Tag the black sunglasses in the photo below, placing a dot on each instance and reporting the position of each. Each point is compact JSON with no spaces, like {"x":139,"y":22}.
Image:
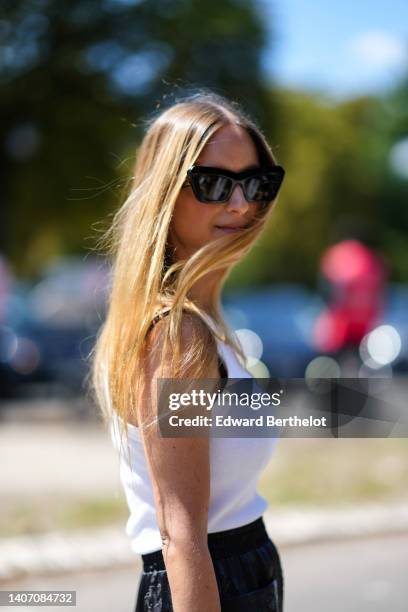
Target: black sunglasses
{"x":215,"y":185}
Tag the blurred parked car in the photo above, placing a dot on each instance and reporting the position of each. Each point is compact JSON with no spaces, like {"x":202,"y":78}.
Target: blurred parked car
{"x":282,"y":317}
{"x":50,"y":328}
{"x":396,"y":315}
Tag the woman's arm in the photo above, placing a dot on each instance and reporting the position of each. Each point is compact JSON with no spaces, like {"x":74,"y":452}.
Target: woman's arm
{"x":180,"y":473}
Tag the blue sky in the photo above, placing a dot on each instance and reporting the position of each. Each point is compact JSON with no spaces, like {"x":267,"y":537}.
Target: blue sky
{"x":340,"y":49}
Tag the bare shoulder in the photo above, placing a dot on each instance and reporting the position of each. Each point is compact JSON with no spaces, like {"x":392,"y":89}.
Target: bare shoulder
{"x":193,"y":333}
{"x":158,"y":363}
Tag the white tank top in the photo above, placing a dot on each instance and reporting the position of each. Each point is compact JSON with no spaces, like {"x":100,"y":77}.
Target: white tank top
{"x":235,"y":467}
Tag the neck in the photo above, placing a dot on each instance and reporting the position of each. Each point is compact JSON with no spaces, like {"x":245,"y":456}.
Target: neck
{"x":203,"y":290}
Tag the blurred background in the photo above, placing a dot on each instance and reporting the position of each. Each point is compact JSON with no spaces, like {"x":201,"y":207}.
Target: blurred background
{"x":324,"y":292}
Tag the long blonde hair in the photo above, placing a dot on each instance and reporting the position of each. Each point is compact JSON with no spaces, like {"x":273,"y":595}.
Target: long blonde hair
{"x":144,"y":279}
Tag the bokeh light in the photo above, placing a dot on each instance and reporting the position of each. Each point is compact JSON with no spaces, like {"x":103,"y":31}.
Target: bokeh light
{"x":380,"y":347}
{"x":251,"y":344}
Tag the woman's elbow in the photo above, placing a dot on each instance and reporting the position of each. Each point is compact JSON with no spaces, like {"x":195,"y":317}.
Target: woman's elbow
{"x":184,"y":539}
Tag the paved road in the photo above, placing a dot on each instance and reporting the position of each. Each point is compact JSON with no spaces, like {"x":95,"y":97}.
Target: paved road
{"x":71,"y":458}
{"x":365,"y":575}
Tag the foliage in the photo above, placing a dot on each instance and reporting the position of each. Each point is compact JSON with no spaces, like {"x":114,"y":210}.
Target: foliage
{"x":339,"y":183}
{"x":78,"y":77}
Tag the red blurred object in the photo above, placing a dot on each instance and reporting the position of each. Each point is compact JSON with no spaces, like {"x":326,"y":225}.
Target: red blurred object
{"x":356,"y":276}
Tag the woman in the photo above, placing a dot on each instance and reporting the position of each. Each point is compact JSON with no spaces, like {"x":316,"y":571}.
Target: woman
{"x":195,"y":513}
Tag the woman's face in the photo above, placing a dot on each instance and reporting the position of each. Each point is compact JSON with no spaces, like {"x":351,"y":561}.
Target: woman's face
{"x":194,"y":223}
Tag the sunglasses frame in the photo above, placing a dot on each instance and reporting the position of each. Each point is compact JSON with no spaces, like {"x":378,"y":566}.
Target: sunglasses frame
{"x":237,"y":178}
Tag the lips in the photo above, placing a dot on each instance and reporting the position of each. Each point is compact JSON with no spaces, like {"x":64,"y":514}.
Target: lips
{"x":231,"y":227}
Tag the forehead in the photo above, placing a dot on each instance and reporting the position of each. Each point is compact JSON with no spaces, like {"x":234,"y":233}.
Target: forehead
{"x":231,"y":148}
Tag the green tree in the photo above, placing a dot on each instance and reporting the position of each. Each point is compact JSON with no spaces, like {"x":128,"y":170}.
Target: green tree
{"x":393,"y":194}
{"x":338,"y":173}
{"x":77,"y":78}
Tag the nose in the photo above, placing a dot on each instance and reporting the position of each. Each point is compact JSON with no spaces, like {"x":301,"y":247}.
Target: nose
{"x":237,"y":200}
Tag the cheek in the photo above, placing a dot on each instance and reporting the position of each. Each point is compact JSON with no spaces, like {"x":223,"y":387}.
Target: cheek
{"x":193,"y":221}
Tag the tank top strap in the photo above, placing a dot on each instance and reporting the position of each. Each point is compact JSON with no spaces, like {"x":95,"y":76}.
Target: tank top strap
{"x":223,"y":372}
{"x":158,"y":317}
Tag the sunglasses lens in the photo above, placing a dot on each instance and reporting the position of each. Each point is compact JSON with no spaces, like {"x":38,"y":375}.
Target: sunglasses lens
{"x":211,"y":187}
{"x":262,"y":187}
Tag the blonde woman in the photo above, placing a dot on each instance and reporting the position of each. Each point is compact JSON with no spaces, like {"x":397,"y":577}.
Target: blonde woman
{"x":204,"y":185}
